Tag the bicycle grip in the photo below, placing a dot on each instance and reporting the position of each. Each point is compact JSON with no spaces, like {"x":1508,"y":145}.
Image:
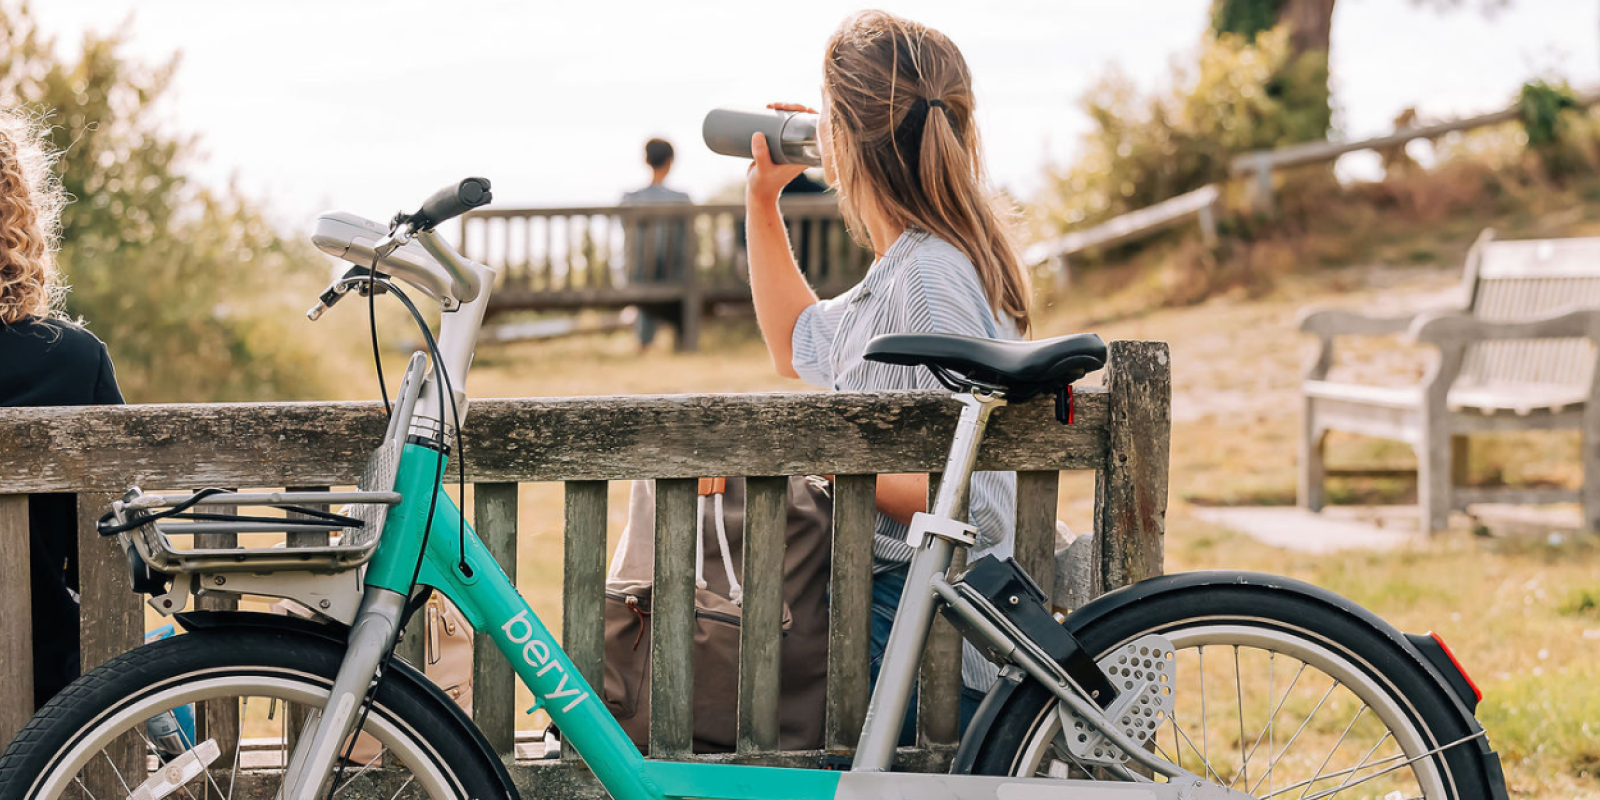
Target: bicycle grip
{"x":451,"y":202}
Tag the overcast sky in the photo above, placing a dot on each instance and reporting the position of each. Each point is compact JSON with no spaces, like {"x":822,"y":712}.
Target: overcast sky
{"x":369,"y":105}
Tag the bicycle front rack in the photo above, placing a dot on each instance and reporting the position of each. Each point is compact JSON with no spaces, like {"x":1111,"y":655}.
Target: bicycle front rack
{"x":313,"y":539}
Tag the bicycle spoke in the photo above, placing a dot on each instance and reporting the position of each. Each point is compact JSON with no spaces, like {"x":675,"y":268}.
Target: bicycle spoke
{"x":1298,"y":731}
{"x":1343,"y":772}
{"x":1359,"y":765}
{"x":1238,"y":688}
{"x":1315,"y":776}
{"x":1271,"y":717}
{"x":190,"y":744}
{"x":84,"y":787}
{"x":364,"y":768}
{"x":1406,"y":763}
{"x":403,"y":787}
{"x":1205,"y":730}
{"x":1203,"y":760}
{"x":117,"y":772}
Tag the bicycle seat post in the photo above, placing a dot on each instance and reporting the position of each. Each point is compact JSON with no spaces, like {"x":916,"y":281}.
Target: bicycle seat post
{"x":934,"y":536}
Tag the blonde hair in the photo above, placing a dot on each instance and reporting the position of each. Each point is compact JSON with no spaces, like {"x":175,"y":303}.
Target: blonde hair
{"x":30,"y":220}
{"x":901,"y":107}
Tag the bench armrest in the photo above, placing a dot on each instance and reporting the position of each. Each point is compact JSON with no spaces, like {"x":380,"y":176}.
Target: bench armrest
{"x":1327,"y":323}
{"x":1444,"y":329}
{"x":1330,"y":322}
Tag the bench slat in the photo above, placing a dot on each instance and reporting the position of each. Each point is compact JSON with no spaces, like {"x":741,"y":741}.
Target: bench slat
{"x":939,"y":676}
{"x":761,"y":627}
{"x":113,"y":624}
{"x":494,"y":517}
{"x":1035,"y":546}
{"x":849,"y":606}
{"x":606,"y":438}
{"x":16,"y":625}
{"x":672,"y":621}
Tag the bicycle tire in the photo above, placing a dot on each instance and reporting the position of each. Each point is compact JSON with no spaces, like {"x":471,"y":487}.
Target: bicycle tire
{"x":89,"y":708}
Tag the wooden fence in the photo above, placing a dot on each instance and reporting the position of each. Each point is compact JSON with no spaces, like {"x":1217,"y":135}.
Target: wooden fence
{"x":669,"y":259}
{"x":1204,"y":205}
{"x":1120,"y":433}
{"x":1262,"y":163}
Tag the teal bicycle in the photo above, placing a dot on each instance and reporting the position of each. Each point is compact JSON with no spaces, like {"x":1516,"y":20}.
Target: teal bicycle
{"x":1309,"y":695}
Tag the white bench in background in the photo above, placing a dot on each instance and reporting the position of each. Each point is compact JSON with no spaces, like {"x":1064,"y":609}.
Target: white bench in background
{"x":1520,"y":354}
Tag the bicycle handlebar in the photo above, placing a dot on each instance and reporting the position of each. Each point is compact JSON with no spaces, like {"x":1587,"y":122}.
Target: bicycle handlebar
{"x":451,"y":202}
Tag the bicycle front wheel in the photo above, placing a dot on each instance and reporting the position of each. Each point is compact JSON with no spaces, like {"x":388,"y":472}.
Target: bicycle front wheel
{"x":1275,"y":695}
{"x":214,"y":713}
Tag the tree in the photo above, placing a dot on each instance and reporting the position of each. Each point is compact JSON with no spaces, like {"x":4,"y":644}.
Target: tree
{"x":186,"y":285}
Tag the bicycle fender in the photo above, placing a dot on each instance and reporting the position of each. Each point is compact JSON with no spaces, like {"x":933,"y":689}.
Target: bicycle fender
{"x":399,"y":669}
{"x":1085,"y":617}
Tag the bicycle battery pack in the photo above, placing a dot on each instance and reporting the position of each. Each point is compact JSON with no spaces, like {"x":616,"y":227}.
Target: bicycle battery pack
{"x":1013,"y":596}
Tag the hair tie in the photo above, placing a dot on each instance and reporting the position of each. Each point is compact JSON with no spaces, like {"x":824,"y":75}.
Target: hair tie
{"x":938,"y":104}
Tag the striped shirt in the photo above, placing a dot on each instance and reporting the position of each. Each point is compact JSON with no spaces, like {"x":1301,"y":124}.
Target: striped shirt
{"x":922,"y":284}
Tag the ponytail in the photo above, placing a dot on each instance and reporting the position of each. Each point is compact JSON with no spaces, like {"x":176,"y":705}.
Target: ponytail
{"x":901,"y":106}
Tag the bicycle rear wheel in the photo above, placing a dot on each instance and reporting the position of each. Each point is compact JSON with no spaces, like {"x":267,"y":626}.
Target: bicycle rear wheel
{"x":1275,"y":695}
{"x":250,"y":690}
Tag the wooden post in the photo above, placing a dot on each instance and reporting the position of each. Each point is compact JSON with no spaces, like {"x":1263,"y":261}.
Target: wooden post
{"x":1035,"y":545}
{"x":583,"y":614}
{"x":939,"y":677}
{"x":16,"y":625}
{"x":113,"y":623}
{"x":494,"y":684}
{"x":672,"y":621}
{"x":1131,"y":489}
{"x":849,"y":606}
{"x":219,"y":718}
{"x":1261,"y":200}
{"x":761,"y":628}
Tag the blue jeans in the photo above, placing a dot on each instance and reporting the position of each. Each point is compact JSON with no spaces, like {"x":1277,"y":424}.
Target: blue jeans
{"x":887,"y":587}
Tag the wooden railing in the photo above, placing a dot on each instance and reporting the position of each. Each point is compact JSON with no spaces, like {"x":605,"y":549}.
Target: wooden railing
{"x":1120,"y":432}
{"x":1262,"y":163}
{"x":1203,"y":204}
{"x":668,"y":258}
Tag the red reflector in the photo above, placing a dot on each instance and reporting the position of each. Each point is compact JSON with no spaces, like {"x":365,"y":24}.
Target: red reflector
{"x":1476,"y":692}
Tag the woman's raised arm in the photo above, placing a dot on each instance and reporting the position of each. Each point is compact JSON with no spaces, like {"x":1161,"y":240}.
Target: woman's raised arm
{"x":780,"y":291}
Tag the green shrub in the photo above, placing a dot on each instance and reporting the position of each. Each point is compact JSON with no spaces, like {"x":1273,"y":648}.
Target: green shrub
{"x":191,"y":289}
{"x":1243,"y":95}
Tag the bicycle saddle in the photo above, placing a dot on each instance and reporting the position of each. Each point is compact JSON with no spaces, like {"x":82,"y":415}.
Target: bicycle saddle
{"x":1021,"y":369}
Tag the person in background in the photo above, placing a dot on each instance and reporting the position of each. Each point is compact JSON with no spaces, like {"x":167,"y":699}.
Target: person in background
{"x":899,"y":143}
{"x":657,"y":249}
{"x":44,"y":361}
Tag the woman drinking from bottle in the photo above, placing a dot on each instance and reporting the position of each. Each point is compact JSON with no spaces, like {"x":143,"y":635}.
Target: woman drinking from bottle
{"x":900,"y":146}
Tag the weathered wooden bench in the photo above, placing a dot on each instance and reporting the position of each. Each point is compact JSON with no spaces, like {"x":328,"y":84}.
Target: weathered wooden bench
{"x":1519,"y":354}
{"x":1120,"y":433}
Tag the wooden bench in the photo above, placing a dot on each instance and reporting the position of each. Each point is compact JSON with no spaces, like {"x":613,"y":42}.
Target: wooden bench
{"x":1519,"y":354}
{"x":1120,"y":433}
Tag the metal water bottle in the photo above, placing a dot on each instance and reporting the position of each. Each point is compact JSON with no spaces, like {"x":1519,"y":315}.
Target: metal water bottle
{"x":791,"y":135}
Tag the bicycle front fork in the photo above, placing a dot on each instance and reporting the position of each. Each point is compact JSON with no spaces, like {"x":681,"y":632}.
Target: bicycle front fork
{"x":321,"y":742}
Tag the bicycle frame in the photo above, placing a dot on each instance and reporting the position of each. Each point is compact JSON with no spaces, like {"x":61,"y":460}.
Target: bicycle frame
{"x":492,"y":605}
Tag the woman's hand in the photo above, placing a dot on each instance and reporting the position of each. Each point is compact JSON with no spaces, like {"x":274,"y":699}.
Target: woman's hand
{"x":765,"y":180}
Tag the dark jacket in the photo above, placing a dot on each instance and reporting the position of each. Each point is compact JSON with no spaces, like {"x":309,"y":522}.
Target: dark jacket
{"x":54,"y":363}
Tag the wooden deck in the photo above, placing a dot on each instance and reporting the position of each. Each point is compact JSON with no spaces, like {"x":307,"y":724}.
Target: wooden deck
{"x":673,"y":261}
